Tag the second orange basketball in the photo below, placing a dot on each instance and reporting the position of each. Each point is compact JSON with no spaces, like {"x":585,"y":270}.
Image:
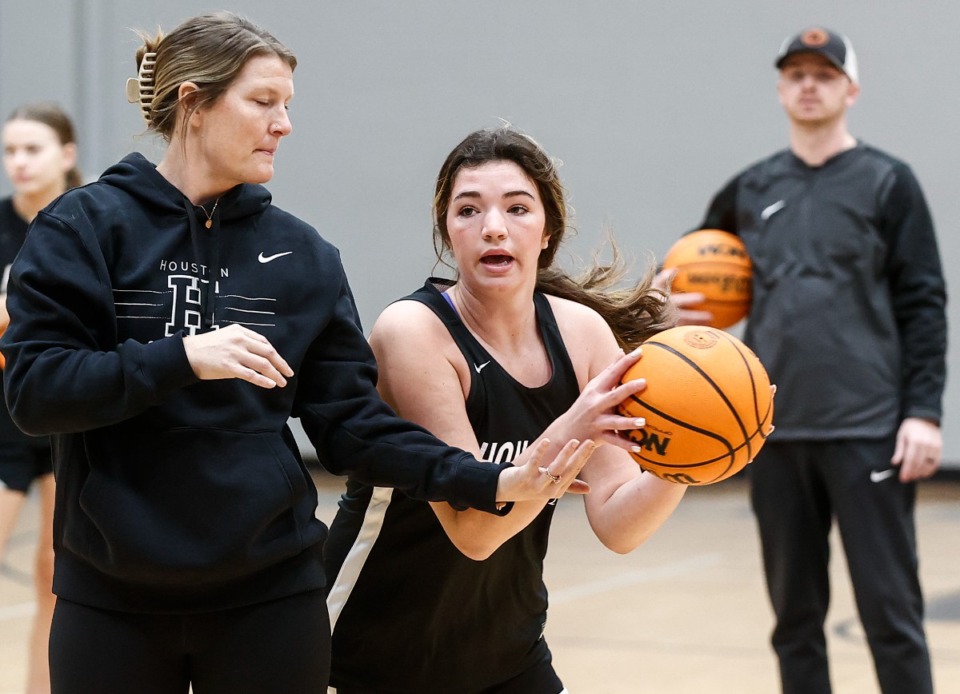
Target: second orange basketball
{"x":714,"y":263}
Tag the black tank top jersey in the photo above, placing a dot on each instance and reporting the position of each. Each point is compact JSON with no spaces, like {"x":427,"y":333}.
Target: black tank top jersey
{"x":409,"y":612}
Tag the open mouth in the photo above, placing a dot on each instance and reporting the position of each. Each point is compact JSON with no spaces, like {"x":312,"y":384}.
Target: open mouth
{"x":496,"y":260}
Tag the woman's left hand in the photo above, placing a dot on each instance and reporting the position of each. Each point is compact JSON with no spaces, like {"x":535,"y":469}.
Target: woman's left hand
{"x":538,"y":480}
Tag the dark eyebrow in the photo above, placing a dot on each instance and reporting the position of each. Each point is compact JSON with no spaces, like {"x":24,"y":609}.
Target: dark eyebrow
{"x":511,"y":193}
{"x":508,"y":194}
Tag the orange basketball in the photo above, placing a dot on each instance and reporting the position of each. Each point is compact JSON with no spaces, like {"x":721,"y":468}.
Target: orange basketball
{"x":708,"y":405}
{"x":714,"y":263}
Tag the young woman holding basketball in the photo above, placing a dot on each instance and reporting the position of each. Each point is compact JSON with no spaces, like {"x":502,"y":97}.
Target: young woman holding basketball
{"x":39,"y":157}
{"x":489,"y":362}
{"x":165,"y":360}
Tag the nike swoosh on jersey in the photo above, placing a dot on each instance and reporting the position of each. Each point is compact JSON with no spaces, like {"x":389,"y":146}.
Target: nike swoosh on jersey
{"x":881,"y":475}
{"x":771,"y":210}
{"x":267,"y":258}
{"x":479,"y":367}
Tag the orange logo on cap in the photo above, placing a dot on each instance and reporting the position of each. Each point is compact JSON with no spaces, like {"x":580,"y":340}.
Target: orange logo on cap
{"x":815,"y":38}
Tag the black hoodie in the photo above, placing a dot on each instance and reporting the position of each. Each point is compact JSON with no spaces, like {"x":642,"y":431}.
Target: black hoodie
{"x":175,"y":494}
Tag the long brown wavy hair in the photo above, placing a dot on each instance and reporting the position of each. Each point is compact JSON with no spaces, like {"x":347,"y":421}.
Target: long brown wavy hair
{"x":634,"y":311}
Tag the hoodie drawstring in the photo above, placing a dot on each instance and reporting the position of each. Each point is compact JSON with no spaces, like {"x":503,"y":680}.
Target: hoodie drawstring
{"x":206,"y":242}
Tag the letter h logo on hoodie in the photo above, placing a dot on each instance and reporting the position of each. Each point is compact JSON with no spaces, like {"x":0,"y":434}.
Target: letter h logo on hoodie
{"x":187,"y":311}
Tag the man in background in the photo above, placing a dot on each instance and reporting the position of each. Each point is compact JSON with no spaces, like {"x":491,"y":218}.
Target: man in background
{"x":848,"y":317}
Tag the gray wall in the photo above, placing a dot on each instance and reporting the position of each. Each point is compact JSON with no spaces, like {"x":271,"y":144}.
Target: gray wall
{"x":651,"y":106}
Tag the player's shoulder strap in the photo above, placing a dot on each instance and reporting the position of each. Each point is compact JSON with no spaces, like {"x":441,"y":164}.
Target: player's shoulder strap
{"x":432,"y":295}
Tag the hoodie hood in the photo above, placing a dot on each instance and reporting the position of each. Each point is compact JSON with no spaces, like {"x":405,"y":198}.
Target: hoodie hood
{"x":139,"y":178}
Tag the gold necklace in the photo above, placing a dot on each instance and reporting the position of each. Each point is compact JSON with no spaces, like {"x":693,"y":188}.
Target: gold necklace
{"x":209,"y":222}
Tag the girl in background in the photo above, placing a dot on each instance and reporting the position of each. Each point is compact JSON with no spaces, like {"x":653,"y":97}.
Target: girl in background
{"x":39,"y":158}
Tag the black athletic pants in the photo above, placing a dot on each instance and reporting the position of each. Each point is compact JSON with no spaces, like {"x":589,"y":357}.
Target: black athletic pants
{"x":280,"y":646}
{"x":797,"y":488}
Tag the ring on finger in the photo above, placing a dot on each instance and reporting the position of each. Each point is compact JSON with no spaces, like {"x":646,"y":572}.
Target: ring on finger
{"x":555,"y":479}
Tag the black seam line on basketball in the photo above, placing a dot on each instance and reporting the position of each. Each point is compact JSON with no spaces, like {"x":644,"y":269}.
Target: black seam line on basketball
{"x":694,"y":466}
{"x":756,"y":396}
{"x":675,"y":420}
{"x":730,"y":457}
{"x":713,"y":384}
{"x":731,"y":450}
{"x":753,"y":382}
{"x":691,"y":466}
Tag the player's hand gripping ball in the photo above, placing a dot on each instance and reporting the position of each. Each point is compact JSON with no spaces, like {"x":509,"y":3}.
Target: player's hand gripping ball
{"x":708,"y":405}
{"x":714,"y":263}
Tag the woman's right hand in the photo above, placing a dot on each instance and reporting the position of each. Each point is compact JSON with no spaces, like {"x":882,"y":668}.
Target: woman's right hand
{"x":236,"y":352}
{"x":594,"y":414}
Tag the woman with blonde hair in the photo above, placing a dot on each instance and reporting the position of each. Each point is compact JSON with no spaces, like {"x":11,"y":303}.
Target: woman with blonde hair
{"x":40,"y":159}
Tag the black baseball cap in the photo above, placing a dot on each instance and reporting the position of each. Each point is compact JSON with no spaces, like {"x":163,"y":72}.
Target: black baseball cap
{"x":833,"y":46}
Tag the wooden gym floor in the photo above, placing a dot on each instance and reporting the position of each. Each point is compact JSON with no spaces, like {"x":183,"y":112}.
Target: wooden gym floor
{"x":686,"y":613}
